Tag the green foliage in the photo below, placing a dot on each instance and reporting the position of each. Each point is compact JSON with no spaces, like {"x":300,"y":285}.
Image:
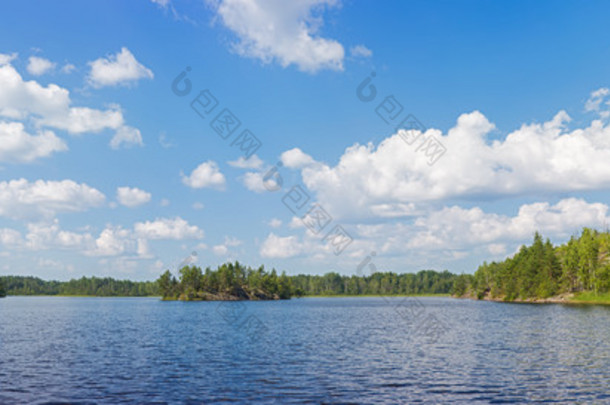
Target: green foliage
{"x":94,"y":286}
{"x":541,"y":270}
{"x":228,"y":281}
{"x":2,"y":290}
{"x":235,"y":280}
{"x":387,"y":283}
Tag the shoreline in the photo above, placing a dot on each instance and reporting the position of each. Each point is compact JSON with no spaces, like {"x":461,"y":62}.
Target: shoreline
{"x":564,"y":299}
{"x":211,"y":300}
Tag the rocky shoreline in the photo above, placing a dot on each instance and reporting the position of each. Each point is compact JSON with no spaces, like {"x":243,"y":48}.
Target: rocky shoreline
{"x":239,"y":295}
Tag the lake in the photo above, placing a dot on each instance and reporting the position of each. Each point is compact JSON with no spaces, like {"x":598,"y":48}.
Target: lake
{"x":309,"y":350}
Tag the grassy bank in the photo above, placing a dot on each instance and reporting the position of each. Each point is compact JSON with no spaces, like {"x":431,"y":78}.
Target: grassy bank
{"x":592,"y":298}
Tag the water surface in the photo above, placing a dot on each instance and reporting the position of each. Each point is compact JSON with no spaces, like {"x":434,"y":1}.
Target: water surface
{"x":313,"y":350}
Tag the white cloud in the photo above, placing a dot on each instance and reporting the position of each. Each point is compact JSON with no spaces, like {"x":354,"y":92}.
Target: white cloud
{"x":126,"y":136}
{"x":360,"y":51}
{"x":205,"y":175}
{"x":119,"y":69}
{"x":220,"y":250}
{"x":598,"y":102}
{"x":16,"y":145}
{"x":296,"y":159}
{"x":38,"y":66}
{"x":161,"y":3}
{"x":42,"y":236}
{"x":165,"y":202}
{"x":282,"y":31}
{"x":535,"y":158}
{"x":253,"y":162}
{"x":275,"y":223}
{"x":113,"y":241}
{"x":198,"y":206}
{"x":457,"y":228}
{"x":24,"y":199}
{"x":78,"y":120}
{"x":6,"y":58}
{"x":164,"y":141}
{"x":165,"y":228}
{"x":50,"y":106}
{"x":10,"y":237}
{"x":254,"y":182}
{"x":280,"y":247}
{"x":132,"y":197}
{"x":223,"y":249}
{"x":68,"y":68}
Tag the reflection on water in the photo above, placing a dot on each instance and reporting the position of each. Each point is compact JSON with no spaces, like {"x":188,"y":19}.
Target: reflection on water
{"x":314,"y":350}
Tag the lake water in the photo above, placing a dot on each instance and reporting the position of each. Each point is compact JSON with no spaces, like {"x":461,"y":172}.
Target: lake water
{"x":312,"y":350}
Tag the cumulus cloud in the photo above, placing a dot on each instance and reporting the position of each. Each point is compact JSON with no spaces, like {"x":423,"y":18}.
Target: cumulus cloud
{"x":51,"y":106}
{"x":167,"y":228}
{"x":206,"y":175}
{"x":223,"y":249}
{"x":68,"y":68}
{"x":540,"y":157}
{"x":360,"y":51}
{"x":254,"y":182}
{"x":6,"y":58}
{"x":275,"y":223}
{"x":220,"y":250}
{"x":119,"y":69}
{"x":459,"y":227}
{"x":132,"y":197}
{"x":113,"y":241}
{"x":38,"y":66}
{"x":279,"y":247}
{"x":296,"y":159}
{"x":10,"y":237}
{"x":281,"y":31}
{"x":253,"y":162}
{"x":42,"y":236}
{"x":16,"y":145}
{"x":126,"y":137}
{"x":598,"y":102}
{"x":23,"y":199}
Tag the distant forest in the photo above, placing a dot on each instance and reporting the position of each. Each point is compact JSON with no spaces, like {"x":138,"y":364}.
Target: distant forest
{"x":543,"y":270}
{"x":93,"y":286}
{"x":237,"y":281}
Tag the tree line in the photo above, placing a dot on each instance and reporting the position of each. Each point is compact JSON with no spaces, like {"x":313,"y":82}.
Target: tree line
{"x":543,"y":270}
{"x":228,"y":281}
{"x":381,"y":283}
{"x":89,"y":286}
{"x":234,"y":280}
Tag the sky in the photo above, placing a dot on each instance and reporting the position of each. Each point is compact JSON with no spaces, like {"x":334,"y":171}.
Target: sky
{"x":306,"y":135}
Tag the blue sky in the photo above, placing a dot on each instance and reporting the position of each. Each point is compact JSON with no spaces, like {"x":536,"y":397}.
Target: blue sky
{"x":105,"y":171}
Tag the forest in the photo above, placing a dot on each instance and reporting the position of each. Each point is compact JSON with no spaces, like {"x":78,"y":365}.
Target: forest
{"x":384,"y":283}
{"x":230,"y":281}
{"x":2,"y":290}
{"x":93,"y":286}
{"x":234,"y":281}
{"x":582,"y":265}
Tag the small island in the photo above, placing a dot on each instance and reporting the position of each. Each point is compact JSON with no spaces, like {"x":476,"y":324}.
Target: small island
{"x":229,"y":282}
